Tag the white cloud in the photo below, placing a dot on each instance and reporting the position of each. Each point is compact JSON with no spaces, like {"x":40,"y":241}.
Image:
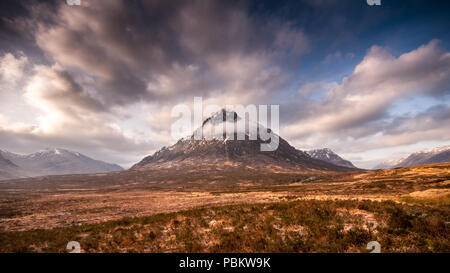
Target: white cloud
{"x":12,"y":68}
{"x":374,"y":85}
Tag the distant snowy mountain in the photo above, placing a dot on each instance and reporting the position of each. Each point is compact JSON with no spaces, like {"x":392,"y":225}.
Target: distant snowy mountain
{"x":436,"y":155}
{"x":429,"y":156}
{"x":388,"y":164}
{"x":53,"y":161}
{"x":330,"y":157}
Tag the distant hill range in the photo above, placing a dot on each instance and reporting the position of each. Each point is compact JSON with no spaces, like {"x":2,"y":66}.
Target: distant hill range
{"x":216,"y":153}
{"x":9,"y":170}
{"x":430,"y":156}
{"x":330,"y":157}
{"x":50,"y":162}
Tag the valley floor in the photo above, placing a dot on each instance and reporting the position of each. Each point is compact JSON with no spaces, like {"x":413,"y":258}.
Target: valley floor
{"x":405,"y":210}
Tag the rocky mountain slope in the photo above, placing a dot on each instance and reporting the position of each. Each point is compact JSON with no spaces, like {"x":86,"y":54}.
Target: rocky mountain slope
{"x":216,"y":152}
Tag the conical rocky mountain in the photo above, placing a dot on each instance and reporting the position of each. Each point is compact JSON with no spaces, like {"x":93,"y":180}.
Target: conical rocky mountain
{"x":216,"y":152}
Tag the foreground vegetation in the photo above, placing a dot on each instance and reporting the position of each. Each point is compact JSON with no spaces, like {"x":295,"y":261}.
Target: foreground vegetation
{"x":286,"y":226}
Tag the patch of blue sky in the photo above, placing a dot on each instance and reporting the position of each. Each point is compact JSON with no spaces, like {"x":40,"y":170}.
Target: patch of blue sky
{"x":414,"y":105}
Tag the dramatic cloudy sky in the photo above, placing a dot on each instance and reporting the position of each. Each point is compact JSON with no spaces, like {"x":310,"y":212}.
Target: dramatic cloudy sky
{"x":370,"y":82}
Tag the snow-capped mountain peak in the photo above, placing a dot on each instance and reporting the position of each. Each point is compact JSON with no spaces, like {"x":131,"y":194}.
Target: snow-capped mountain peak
{"x":215,"y":151}
{"x":216,"y":126}
{"x":329,"y":156}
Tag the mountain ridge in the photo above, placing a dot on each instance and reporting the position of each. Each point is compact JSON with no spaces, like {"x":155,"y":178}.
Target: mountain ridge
{"x":8,"y":170}
{"x":52,"y":161}
{"x":426,"y":156}
{"x":328,"y":155}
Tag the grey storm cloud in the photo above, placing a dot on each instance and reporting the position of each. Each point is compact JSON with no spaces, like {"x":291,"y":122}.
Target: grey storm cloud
{"x":90,"y":66}
{"x":53,"y":89}
{"x":131,"y":47}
